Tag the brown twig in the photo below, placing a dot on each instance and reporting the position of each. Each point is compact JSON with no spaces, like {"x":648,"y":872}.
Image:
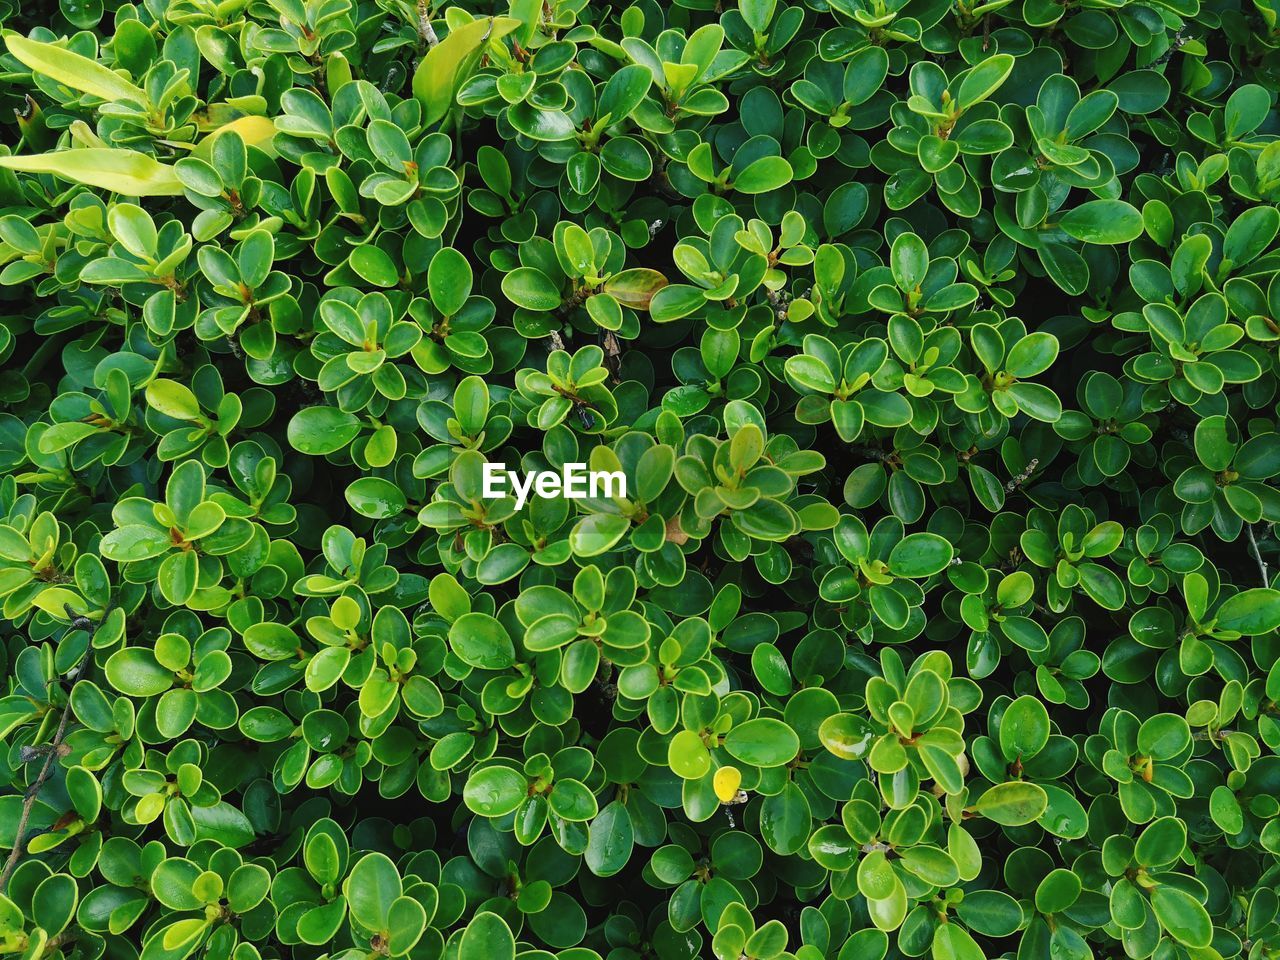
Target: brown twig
{"x":1017,"y":482}
{"x":19,"y":837}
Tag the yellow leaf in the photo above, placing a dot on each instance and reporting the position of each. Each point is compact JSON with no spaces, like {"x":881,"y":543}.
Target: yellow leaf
{"x":217,"y":115}
{"x":254,"y":131}
{"x":74,"y":71}
{"x":726,"y":782}
{"x":120,"y":171}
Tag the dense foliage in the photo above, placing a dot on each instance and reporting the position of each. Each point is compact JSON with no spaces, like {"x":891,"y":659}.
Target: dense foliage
{"x":936,"y":339}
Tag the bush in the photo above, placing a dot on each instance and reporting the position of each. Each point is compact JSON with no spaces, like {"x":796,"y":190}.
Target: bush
{"x":935,"y":342}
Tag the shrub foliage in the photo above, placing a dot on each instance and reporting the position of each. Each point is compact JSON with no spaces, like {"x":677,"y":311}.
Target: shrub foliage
{"x":937,"y":343}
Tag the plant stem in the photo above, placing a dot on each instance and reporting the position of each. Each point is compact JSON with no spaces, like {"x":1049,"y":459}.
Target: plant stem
{"x":54,"y":749}
{"x":1257,"y":555}
{"x":424,"y":25}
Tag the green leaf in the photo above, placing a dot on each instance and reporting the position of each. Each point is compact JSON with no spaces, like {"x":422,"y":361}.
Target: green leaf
{"x":920,"y":555}
{"x":173,"y":399}
{"x":222,"y":823}
{"x":597,"y":533}
{"x":763,"y":175}
{"x":1182,"y":916}
{"x":1161,"y":842}
{"x":375,"y":497}
{"x":909,"y":258}
{"x":1102,"y":222}
{"x":371,"y":888}
{"x":953,"y":942}
{"x":1032,"y":355}
{"x":1164,"y":736}
{"x":530,"y":288}
{"x":322,"y":430}
{"x":985,"y":79}
{"x":1250,"y":612}
{"x":1024,"y":729}
{"x":449,"y":279}
{"x":1012,"y":804}
{"x":810,"y":373}
{"x":136,"y":672}
{"x":763,"y":742}
{"x":610,"y":841}
{"x":495,"y":791}
{"x":487,"y":937}
{"x":481,"y":641}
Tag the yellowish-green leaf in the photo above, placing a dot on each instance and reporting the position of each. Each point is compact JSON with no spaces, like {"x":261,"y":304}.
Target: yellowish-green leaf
{"x":449,"y":63}
{"x":83,"y":135}
{"x":72,"y":70}
{"x":635,"y":288}
{"x":55,"y":601}
{"x":121,"y":171}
